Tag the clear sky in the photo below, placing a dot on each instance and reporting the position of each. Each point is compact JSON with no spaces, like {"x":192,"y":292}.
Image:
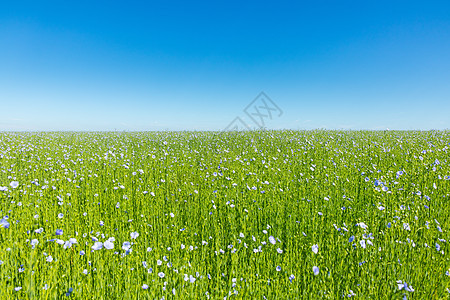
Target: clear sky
{"x":196,"y":65}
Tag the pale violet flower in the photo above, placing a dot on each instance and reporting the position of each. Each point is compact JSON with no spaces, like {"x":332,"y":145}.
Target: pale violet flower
{"x":362,"y":225}
{"x":134,"y":235}
{"x":14,"y":184}
{"x":315,"y":248}
{"x":34,"y":242}
{"x":316,"y":270}
{"x":126,"y":246}
{"x":272,"y":240}
{"x":69,"y":243}
{"x":406,"y":226}
{"x":4,"y":223}
{"x":363,"y":243}
{"x":97,"y":246}
{"x":108,"y":245}
{"x":403,"y":285}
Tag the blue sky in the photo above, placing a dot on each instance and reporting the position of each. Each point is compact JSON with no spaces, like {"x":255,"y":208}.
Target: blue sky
{"x":191,"y":65}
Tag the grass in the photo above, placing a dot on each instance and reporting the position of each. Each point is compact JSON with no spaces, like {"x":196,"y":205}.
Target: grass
{"x":204,"y":204}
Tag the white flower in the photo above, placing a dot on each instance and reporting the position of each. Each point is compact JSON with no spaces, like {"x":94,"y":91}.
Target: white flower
{"x":14,"y":184}
{"x":315,"y":248}
{"x":134,"y":235}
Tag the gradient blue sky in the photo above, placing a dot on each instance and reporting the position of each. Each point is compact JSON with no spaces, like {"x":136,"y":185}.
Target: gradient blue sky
{"x":191,"y":65}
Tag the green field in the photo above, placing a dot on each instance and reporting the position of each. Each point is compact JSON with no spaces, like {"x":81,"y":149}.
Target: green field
{"x":211,"y":215}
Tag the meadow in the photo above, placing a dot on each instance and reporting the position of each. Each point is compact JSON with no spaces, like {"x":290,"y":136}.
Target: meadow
{"x":225,"y":215}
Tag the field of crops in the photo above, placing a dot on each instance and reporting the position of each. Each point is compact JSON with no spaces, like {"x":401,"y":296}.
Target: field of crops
{"x":210,"y":215}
